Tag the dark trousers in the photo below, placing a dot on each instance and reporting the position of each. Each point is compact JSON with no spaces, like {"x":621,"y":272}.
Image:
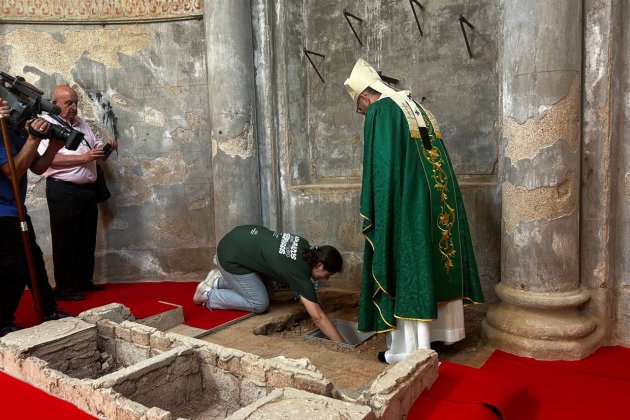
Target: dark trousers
{"x":14,"y":275}
{"x":73,"y":218}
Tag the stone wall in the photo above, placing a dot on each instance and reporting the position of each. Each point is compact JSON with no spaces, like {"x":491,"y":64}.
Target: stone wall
{"x":146,"y":85}
{"x":318,"y":136}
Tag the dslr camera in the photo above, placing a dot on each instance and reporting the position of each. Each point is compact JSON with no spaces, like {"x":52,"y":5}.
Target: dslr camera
{"x":26,"y":103}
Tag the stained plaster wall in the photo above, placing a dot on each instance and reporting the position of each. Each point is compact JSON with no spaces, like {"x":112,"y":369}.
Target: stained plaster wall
{"x":146,"y":84}
{"x":319,"y":135}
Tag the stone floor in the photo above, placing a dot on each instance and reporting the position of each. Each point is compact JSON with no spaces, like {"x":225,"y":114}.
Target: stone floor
{"x":281,"y":331}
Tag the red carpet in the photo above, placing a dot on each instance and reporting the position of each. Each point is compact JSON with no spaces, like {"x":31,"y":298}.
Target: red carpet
{"x":25,"y":402}
{"x":512,"y":387}
{"x":143,"y":300}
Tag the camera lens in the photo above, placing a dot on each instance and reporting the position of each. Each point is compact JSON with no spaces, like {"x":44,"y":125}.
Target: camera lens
{"x":72,"y":138}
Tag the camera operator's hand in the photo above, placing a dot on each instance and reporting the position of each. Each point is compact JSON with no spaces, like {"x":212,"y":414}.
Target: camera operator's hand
{"x":38,"y":124}
{"x":113,"y":142}
{"x":41,"y":125}
{"x":5,"y":111}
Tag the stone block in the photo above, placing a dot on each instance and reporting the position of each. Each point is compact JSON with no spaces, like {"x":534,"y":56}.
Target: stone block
{"x":394,"y":391}
{"x":251,"y":391}
{"x":49,"y":337}
{"x":279,"y":379}
{"x":106,"y":328}
{"x":127,"y":409}
{"x":109,"y":406}
{"x":252,"y":368}
{"x":165,"y":320}
{"x":10,"y":362}
{"x":208,"y":355}
{"x":313,"y":385}
{"x":141,"y":335}
{"x":33,"y":371}
{"x":230,"y":362}
{"x":295,"y":404}
{"x":113,"y":311}
{"x":160,"y":341}
{"x":75,"y":391}
{"x":156,"y":413}
{"x":123,"y":332}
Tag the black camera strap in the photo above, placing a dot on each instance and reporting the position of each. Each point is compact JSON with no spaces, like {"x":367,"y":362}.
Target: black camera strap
{"x":60,"y":120}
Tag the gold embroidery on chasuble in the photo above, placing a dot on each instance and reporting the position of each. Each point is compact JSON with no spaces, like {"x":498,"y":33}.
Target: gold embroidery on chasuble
{"x":447,"y":217}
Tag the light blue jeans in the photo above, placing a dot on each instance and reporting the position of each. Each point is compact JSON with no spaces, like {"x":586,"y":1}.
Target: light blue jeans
{"x":242,"y":292}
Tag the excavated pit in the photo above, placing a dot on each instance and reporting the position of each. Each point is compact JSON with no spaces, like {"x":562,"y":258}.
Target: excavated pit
{"x":349,"y":331}
{"x":283,"y":332}
{"x":178,"y":382}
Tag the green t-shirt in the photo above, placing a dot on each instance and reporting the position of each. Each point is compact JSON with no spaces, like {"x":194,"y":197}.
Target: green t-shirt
{"x":256,"y":249}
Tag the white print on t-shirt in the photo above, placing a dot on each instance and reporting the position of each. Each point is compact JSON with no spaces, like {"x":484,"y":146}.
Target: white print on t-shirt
{"x":289,"y":245}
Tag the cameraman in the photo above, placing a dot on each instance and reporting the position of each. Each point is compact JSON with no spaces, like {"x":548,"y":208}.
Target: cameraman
{"x":13,"y":263}
{"x":71,"y":195}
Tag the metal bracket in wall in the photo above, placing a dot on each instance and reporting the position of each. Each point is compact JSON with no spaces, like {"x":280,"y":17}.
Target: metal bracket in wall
{"x":415,"y":14}
{"x":349,"y":15}
{"x":463,"y":20}
{"x":308,"y":53}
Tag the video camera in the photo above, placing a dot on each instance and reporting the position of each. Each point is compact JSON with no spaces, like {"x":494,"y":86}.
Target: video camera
{"x":26,"y":103}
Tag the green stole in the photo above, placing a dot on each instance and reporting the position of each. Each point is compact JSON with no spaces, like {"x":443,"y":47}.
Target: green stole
{"x":418,"y":250}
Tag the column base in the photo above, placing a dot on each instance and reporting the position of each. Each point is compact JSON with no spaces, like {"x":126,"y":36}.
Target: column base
{"x":545,"y":326}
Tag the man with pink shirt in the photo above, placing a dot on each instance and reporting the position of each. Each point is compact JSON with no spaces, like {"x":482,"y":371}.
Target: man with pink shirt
{"x":71,"y":195}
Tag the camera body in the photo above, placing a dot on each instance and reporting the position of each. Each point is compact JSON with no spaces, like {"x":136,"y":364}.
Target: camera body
{"x":26,"y":103}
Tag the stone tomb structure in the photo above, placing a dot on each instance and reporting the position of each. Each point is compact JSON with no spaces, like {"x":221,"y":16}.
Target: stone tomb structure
{"x":113,"y":367}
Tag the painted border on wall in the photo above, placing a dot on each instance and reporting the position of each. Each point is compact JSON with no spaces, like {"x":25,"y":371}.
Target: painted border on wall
{"x":99,"y":11}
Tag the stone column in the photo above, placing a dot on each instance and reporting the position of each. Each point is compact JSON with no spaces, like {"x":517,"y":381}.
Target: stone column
{"x":266,"y":107}
{"x":540,"y":313}
{"x":232,"y":91}
{"x":601,"y":157}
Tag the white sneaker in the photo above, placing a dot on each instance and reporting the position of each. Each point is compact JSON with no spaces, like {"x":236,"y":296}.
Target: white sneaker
{"x":210,"y":282}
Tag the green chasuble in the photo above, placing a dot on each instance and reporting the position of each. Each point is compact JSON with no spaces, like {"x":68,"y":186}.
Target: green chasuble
{"x":418,"y":251}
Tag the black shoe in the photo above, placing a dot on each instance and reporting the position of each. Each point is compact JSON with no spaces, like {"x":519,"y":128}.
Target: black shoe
{"x":9,"y":329}
{"x":381,"y":357}
{"x":91,"y":287}
{"x":56,"y":315}
{"x":69,"y":295}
